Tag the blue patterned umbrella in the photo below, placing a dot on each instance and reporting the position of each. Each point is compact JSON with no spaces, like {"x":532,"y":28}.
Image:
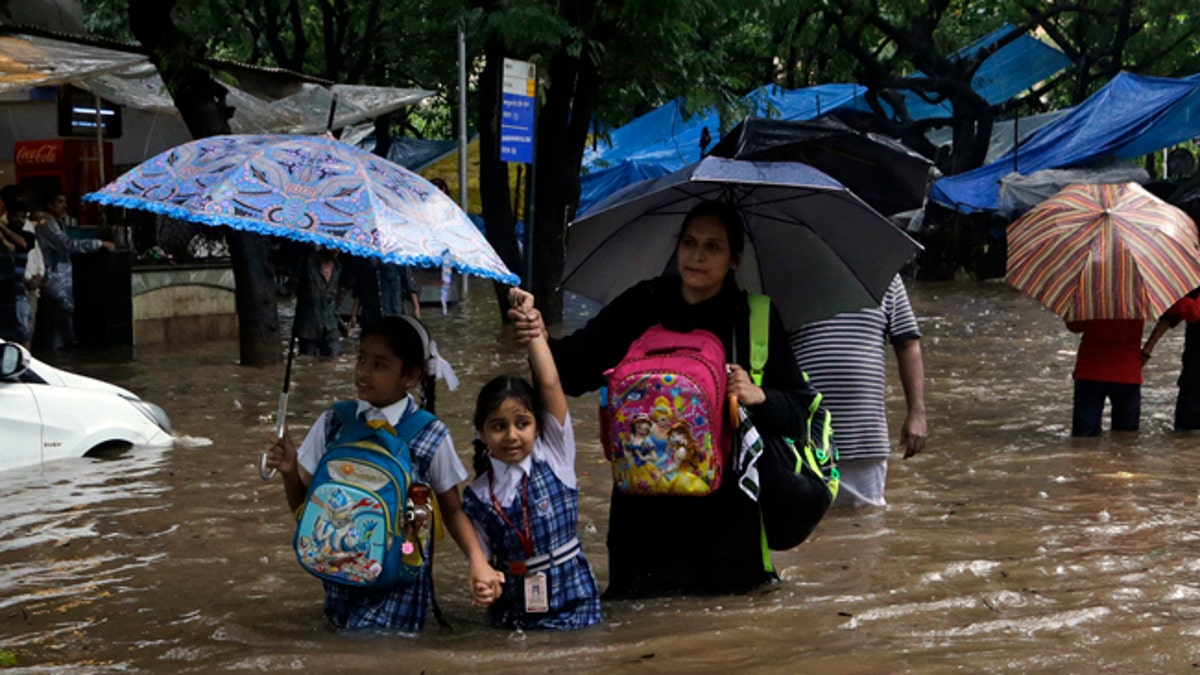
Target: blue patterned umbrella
{"x":313,"y":189}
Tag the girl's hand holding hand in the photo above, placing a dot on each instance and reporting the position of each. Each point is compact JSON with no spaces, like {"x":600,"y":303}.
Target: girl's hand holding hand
{"x":485,"y":585}
{"x":526,"y":325}
{"x":520,"y":299}
{"x":526,"y":320}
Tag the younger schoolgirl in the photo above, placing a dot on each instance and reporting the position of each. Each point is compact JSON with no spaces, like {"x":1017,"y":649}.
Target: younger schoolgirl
{"x":525,"y":501}
{"x":391,"y":360}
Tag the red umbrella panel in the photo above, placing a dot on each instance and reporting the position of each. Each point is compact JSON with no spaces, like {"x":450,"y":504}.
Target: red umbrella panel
{"x":1104,"y":252}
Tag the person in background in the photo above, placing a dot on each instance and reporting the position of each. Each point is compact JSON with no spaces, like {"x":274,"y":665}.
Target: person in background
{"x":10,"y":282}
{"x":29,"y":269}
{"x":57,"y":247}
{"x":316,"y":286}
{"x":380,"y":289}
{"x":1107,"y":366}
{"x":34,"y":278}
{"x":1187,"y":403}
{"x":846,"y":361}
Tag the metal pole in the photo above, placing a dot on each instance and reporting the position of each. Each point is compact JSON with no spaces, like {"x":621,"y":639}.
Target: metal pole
{"x":1016,"y":142}
{"x":102,"y":212}
{"x":332,"y":112}
{"x":530,"y":200}
{"x":462,"y":126}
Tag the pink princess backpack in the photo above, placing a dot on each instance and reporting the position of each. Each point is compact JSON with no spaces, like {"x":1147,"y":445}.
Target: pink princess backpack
{"x":661,"y":415}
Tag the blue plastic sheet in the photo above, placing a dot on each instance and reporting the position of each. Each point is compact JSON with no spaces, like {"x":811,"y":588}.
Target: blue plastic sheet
{"x":1131,"y":116}
{"x":665,"y":139}
{"x":1012,"y":69}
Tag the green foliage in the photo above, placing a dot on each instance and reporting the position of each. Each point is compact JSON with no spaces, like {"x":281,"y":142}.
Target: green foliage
{"x":650,"y":51}
{"x":1105,"y":37}
{"x":398,"y":43}
{"x":107,"y":18}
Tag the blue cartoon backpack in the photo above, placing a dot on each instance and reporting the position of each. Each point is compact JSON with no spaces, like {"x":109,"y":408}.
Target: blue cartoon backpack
{"x":364,"y":522}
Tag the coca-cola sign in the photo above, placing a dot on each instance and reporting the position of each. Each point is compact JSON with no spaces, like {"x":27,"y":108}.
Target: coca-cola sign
{"x":38,"y":153}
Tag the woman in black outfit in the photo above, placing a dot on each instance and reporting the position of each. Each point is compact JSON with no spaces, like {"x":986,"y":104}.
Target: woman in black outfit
{"x":661,"y":545}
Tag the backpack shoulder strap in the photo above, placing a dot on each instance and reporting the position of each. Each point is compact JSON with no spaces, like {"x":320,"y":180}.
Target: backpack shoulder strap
{"x":760,"y":324}
{"x":346,"y":411}
{"x":342,"y":415}
{"x":413,"y":423}
{"x":347,"y":422}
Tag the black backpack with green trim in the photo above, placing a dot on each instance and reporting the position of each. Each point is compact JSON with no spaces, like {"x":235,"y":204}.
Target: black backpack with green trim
{"x":797,"y":481}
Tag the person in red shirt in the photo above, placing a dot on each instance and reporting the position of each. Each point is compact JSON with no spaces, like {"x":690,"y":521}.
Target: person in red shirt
{"x":1187,"y":403}
{"x":1107,"y":366}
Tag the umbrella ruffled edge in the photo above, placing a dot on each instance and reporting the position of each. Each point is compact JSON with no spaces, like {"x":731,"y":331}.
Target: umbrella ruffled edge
{"x":249,"y":225}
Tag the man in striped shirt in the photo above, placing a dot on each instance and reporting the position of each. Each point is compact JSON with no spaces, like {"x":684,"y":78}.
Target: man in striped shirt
{"x":845,"y":359}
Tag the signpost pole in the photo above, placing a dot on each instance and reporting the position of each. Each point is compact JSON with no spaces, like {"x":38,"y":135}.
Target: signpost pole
{"x":462,"y":129}
{"x":517,"y":134}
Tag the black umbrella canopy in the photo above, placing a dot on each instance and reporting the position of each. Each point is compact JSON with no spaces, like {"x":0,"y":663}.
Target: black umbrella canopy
{"x":811,"y":245}
{"x":1187,"y":192}
{"x":882,"y":171}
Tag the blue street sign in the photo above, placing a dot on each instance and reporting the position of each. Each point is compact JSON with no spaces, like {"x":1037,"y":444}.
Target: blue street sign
{"x":516,"y":128}
{"x":517,"y":111}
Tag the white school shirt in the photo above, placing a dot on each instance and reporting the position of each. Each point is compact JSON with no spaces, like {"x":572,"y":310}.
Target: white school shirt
{"x":555,"y":446}
{"x":445,"y":470}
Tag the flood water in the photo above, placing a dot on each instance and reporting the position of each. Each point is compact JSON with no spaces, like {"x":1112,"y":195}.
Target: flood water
{"x":1007,"y":546}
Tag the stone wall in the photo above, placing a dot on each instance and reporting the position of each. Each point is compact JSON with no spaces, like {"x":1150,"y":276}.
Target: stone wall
{"x":182,"y":304}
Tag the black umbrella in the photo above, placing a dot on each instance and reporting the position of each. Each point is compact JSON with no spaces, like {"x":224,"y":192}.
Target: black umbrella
{"x":811,"y":244}
{"x":1188,"y":193}
{"x":882,"y":171}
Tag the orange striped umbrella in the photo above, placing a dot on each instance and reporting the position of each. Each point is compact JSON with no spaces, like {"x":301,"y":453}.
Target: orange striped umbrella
{"x":1104,"y":252}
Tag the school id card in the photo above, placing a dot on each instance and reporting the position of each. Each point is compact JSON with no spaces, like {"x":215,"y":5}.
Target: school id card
{"x":537,"y":593}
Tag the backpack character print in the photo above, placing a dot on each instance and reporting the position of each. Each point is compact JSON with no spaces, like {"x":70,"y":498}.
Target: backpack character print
{"x":661,"y":419}
{"x":358,"y":525}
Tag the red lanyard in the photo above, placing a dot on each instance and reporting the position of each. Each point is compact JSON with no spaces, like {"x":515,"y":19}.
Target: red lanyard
{"x":526,"y":537}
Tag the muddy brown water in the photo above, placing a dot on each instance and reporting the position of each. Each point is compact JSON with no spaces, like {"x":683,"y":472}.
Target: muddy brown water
{"x":1007,"y":546}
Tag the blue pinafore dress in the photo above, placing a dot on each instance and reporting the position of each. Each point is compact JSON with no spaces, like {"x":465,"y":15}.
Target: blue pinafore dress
{"x":553,"y":508}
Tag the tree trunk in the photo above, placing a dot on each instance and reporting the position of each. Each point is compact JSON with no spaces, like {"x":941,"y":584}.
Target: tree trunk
{"x":972,"y":124}
{"x":561,"y":136}
{"x":383,"y":135}
{"x":201,"y":103}
{"x":493,"y":173}
{"x":257,"y":310}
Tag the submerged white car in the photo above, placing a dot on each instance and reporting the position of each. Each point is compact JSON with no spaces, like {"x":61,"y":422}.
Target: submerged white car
{"x":48,"y":414}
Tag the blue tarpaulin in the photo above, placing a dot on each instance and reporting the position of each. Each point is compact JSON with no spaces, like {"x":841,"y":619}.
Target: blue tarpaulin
{"x":415,"y":154}
{"x":1012,"y":69}
{"x":411,"y":153}
{"x":1131,"y":116}
{"x":663,"y":140}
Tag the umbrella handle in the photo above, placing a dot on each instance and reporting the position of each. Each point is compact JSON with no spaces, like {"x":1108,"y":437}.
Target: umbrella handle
{"x":734,"y":420}
{"x":265,"y":472}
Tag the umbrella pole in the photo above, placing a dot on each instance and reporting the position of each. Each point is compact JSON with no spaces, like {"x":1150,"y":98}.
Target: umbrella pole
{"x":332,"y":112}
{"x":281,"y":413}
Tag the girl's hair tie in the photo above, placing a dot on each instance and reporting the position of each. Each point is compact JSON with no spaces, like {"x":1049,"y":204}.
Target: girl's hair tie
{"x":435,"y":365}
